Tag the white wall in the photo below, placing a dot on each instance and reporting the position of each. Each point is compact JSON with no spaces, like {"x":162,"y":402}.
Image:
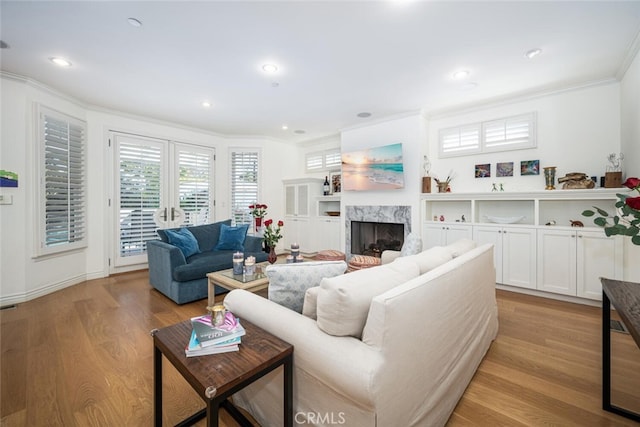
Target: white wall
{"x":22,"y":276}
{"x":411,"y":132}
{"x":577,"y":129}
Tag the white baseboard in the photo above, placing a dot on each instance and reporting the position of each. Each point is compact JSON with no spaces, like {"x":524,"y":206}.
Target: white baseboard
{"x":549,"y":295}
{"x":18,"y":298}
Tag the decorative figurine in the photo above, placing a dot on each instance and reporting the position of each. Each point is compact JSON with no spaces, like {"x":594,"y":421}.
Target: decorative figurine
{"x":493,"y":188}
{"x":441,"y":217}
{"x":576,"y":223}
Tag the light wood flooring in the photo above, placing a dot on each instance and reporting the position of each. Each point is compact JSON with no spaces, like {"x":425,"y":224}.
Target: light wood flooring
{"x":82,"y":356}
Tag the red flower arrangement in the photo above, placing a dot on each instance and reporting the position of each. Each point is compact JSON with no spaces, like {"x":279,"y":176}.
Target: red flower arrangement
{"x":627,"y":222}
{"x":272,"y":234}
{"x":258,"y":210}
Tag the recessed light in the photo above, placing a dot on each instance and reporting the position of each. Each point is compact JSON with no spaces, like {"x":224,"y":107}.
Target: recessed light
{"x":275,"y":84}
{"x":269,"y":68}
{"x":285,"y":127}
{"x":533,"y":53}
{"x":364,"y":114}
{"x":206,"y":104}
{"x":461,"y":74}
{"x":134,"y":22}
{"x":299,"y":131}
{"x":61,"y":62}
{"x":469,"y":86}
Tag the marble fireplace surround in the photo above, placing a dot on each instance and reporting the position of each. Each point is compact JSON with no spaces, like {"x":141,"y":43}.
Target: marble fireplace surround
{"x":388,"y":214}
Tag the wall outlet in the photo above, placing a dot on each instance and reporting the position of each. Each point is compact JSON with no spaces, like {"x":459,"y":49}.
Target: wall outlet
{"x":6,"y":199}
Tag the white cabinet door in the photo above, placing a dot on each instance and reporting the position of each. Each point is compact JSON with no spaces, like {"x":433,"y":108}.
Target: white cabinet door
{"x":557,"y":261}
{"x":290,"y":200}
{"x":514,"y":253}
{"x":327,"y":235}
{"x":519,"y":257}
{"x":297,"y":230}
{"x":597,"y":256}
{"x":444,"y":234}
{"x":483,"y":235}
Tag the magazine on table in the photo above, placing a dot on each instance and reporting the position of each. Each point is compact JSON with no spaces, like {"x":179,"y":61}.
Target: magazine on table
{"x":209,"y":335}
{"x":194,"y":348}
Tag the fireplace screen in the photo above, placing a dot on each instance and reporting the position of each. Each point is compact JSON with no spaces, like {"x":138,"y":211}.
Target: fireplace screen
{"x":372,"y":238}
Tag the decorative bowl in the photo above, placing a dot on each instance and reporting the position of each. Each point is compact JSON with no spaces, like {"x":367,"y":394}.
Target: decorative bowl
{"x":505,"y":219}
{"x":333,"y":213}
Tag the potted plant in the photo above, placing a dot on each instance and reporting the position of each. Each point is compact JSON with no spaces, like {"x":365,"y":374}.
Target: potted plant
{"x":272,"y":235}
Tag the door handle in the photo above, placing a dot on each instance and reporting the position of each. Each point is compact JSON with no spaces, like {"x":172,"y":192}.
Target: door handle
{"x":173,"y":214}
{"x":164,"y":214}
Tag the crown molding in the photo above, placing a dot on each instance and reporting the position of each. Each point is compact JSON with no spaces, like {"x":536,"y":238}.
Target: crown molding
{"x":632,"y":52}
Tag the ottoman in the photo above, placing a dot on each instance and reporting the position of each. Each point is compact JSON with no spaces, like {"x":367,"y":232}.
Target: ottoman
{"x":330,"y":255}
{"x":358,"y":262}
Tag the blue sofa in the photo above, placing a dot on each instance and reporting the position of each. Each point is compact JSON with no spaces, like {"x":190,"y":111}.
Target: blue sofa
{"x":184,"y":279}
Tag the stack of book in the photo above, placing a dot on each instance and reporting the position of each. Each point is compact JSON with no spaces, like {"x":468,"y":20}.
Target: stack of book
{"x":208,"y":339}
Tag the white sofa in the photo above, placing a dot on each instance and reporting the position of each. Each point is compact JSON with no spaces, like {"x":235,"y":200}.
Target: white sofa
{"x":394,"y":345}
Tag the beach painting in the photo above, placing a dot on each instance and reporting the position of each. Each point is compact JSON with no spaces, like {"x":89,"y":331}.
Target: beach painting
{"x":378,"y":168}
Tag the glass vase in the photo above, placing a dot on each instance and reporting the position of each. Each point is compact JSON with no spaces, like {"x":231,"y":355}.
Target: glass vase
{"x":550,"y":177}
{"x":272,"y":258}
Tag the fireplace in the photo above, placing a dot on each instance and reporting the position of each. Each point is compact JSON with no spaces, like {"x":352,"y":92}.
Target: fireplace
{"x":373,"y":238}
{"x":389,"y":219}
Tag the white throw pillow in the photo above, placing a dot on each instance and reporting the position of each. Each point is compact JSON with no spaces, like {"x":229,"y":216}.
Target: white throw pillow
{"x":343,"y":301}
{"x":431,"y":258}
{"x":310,"y":306}
{"x":460,"y":247}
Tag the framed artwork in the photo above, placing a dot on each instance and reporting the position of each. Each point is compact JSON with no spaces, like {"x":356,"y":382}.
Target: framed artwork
{"x":483,"y":171}
{"x":335,"y":180}
{"x":378,"y":168}
{"x":504,"y":169}
{"x":530,"y":167}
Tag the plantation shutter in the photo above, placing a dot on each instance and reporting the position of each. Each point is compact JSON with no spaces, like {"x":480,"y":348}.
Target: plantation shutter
{"x":324,"y":160}
{"x":459,"y":141}
{"x":140,"y":174}
{"x":333,"y":160}
{"x":510,"y":133}
{"x":63,"y":181}
{"x":244,"y":184}
{"x":314,"y":162}
{"x":193,"y":182}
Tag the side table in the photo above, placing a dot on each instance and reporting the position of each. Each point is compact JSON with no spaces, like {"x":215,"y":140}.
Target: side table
{"x":216,"y":377}
{"x":625,"y":298}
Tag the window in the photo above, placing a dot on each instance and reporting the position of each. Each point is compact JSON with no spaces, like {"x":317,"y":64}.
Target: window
{"x":244,"y":184}
{"x":62,"y":198}
{"x":511,"y":133}
{"x":460,"y":141}
{"x":324,"y":160}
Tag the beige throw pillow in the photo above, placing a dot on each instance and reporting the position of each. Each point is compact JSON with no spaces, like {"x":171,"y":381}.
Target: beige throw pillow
{"x":343,"y":301}
{"x":431,"y":258}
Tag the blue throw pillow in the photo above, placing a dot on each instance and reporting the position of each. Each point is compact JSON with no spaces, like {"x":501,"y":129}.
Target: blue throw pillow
{"x":232,"y":238}
{"x":184,"y":240}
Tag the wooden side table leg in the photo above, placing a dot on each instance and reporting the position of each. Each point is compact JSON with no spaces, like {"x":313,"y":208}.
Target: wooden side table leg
{"x":606,"y":353}
{"x":288,"y":392}
{"x":157,"y":387}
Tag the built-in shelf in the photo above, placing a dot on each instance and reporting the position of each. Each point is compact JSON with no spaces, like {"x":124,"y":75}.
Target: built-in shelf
{"x":535,"y":208}
{"x":326,"y":204}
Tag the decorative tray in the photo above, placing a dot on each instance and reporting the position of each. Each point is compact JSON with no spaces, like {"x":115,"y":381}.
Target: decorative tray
{"x":505,"y":219}
{"x":333,"y":213}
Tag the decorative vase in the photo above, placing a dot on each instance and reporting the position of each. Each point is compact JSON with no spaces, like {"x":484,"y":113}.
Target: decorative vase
{"x":258,"y":223}
{"x":550,"y":177}
{"x":272,"y":258}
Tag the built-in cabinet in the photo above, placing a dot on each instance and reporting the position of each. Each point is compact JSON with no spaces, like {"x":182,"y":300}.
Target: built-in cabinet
{"x":514,"y":254}
{"x":299,"y":199}
{"x":571,"y":262}
{"x":536,"y":247}
{"x":442,"y":234}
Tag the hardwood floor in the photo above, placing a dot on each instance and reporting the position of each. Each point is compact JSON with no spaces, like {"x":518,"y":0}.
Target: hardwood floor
{"x":82,"y":356}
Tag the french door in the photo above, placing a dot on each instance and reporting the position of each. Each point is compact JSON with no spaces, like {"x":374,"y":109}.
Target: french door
{"x":159,"y":184}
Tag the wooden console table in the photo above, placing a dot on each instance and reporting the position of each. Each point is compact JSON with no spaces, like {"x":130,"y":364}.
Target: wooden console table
{"x":625,"y":298}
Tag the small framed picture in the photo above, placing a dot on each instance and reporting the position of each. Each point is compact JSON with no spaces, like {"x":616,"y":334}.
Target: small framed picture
{"x":504,"y":169}
{"x":335,"y":181}
{"x":483,"y":171}
{"x":529,"y":167}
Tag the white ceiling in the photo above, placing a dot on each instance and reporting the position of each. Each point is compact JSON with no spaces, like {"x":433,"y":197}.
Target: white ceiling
{"x":336,"y":59}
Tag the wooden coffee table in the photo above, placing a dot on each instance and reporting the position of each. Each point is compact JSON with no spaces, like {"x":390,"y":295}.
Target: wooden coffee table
{"x":216,"y":377}
{"x":230,"y":281}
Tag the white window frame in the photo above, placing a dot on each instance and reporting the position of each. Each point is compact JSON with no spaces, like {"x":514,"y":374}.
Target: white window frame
{"x":327,"y":160}
{"x":246,"y":217}
{"x":42,"y":248}
{"x":497,"y":135}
